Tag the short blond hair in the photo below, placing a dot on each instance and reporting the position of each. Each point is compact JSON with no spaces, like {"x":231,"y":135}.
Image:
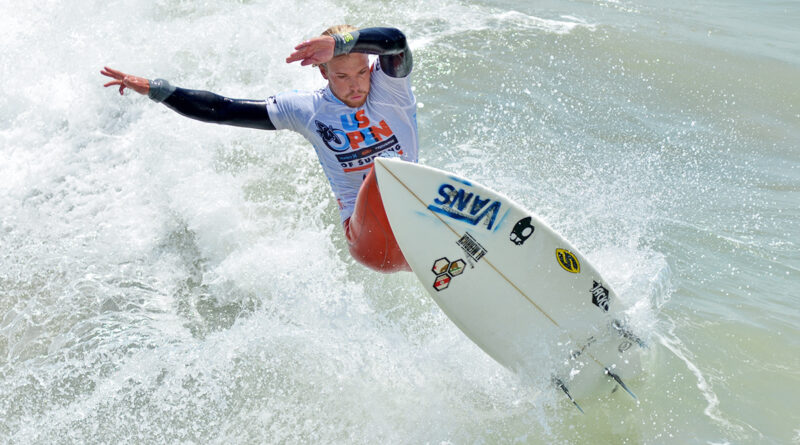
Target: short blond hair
{"x":338,"y":29}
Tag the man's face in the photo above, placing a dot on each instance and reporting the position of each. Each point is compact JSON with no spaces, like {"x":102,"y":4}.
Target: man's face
{"x":348,"y":77}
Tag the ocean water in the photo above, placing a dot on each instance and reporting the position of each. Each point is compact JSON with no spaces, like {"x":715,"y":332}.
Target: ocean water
{"x":168,"y":281}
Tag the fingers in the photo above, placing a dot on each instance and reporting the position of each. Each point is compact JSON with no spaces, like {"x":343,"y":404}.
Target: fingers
{"x":304,"y":61}
{"x":112,"y":73}
{"x":300,"y":54}
{"x":306,"y":51}
{"x":295,"y":58}
{"x":121,"y":84}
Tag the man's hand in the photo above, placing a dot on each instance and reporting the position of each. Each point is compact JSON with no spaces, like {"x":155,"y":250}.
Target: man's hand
{"x":138,"y":84}
{"x":318,"y":50}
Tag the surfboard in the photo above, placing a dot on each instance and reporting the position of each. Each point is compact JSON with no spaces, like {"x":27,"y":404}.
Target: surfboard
{"x":511,"y":283}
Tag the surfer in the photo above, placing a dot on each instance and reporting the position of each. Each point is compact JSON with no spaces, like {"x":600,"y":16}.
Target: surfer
{"x":364,"y":112}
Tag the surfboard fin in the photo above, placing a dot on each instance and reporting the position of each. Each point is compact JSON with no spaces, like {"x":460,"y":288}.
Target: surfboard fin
{"x":621,"y":383}
{"x":563,"y":387}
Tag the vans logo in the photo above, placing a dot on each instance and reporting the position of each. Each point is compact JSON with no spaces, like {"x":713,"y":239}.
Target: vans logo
{"x":462,"y":205}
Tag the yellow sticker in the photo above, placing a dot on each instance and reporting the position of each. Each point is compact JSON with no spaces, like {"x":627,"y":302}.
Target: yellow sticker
{"x":568,"y":261}
{"x":347,"y":37}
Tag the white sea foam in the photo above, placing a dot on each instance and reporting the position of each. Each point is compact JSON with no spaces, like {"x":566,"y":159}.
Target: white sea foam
{"x":164,"y":280}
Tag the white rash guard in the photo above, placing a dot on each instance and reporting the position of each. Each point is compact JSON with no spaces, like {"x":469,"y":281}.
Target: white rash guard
{"x":347,"y":140}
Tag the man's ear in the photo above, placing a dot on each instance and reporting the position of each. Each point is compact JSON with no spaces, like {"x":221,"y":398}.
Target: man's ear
{"x":322,"y":71}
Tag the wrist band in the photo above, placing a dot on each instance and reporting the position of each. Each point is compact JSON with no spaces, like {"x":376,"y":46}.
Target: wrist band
{"x":344,"y":42}
{"x":160,"y":89}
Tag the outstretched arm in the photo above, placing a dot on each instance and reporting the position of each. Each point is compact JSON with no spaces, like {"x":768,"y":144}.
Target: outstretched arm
{"x":201,"y":105}
{"x":389,"y":43}
{"x":209,"y":107}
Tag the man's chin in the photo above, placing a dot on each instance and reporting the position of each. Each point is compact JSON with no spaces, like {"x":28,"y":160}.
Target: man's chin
{"x":356,"y":102}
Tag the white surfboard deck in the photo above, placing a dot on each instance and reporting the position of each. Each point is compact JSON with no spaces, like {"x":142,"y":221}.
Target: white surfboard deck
{"x":512,"y":284}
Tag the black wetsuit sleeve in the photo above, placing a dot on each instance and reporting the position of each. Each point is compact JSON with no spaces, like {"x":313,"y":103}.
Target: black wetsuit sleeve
{"x":209,"y":107}
{"x":388,"y":43}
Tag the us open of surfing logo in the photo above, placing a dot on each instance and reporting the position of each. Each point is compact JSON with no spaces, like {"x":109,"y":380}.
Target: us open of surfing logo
{"x":357,"y":130}
{"x":568,"y":261}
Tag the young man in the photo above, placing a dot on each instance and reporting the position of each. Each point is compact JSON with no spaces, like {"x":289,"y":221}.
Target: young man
{"x":364,"y":112}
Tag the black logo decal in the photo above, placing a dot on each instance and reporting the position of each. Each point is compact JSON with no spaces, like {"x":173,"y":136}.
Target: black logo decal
{"x":471,"y":247}
{"x":522,"y":231}
{"x":600,"y":296}
{"x":568,"y":261}
{"x":330,"y":138}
